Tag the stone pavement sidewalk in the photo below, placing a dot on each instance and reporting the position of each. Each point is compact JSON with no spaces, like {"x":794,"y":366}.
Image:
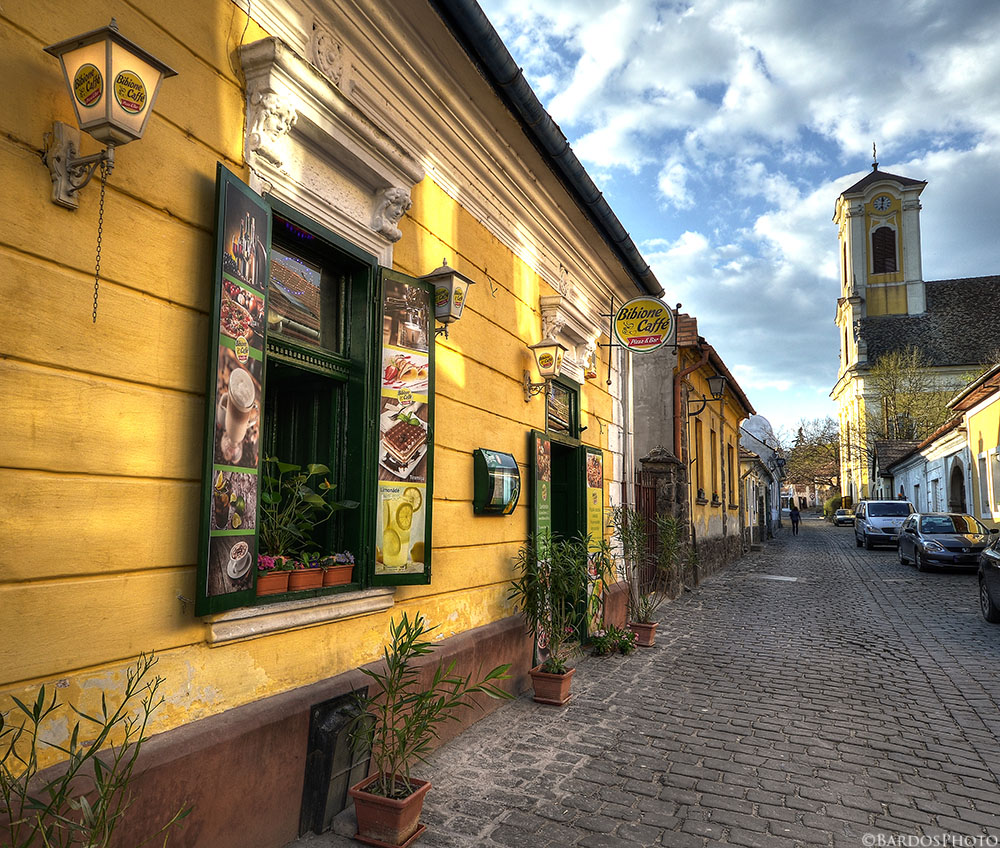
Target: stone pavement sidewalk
{"x":811,"y":694}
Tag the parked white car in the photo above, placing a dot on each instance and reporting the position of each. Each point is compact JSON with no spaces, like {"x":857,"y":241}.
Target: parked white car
{"x":879,"y":522}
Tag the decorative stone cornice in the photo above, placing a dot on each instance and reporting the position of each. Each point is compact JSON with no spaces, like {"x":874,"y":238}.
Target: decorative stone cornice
{"x":570,"y":322}
{"x":309,"y":145}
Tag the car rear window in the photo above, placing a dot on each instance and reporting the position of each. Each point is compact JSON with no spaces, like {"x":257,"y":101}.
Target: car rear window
{"x":890,"y":509}
{"x":950,"y":524}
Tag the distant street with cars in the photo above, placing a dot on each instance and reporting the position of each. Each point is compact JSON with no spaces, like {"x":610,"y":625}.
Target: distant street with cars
{"x":813,"y":693}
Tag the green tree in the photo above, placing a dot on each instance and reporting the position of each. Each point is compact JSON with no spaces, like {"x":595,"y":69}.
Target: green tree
{"x":814,"y":453}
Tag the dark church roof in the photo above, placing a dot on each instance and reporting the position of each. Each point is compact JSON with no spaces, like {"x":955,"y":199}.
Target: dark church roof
{"x":877,"y":176}
{"x":960,"y":327}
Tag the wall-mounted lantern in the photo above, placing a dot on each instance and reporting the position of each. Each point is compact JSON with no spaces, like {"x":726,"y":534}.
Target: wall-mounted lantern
{"x":450,"y":291}
{"x":113,"y":84}
{"x":548,"y":358}
{"x":716,"y":387}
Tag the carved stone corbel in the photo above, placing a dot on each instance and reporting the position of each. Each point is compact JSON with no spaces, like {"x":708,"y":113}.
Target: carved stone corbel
{"x":270,"y":121}
{"x":390,"y":205}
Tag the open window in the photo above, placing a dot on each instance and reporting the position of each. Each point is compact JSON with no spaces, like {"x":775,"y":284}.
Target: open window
{"x":317,"y":355}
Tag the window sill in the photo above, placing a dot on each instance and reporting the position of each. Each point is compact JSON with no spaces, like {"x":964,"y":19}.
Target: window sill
{"x":701,"y":501}
{"x":716,"y":502}
{"x":734,"y":506}
{"x":251,"y":622}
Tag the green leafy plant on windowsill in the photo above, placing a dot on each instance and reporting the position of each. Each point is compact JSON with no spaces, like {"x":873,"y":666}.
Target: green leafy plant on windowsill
{"x":291,"y":508}
{"x":80,"y":802}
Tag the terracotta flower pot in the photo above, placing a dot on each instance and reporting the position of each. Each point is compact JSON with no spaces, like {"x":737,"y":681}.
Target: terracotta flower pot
{"x":272,"y":582}
{"x":338,"y":575}
{"x":305,"y":578}
{"x":645,"y":633}
{"x":387,"y":821}
{"x":551,"y":688}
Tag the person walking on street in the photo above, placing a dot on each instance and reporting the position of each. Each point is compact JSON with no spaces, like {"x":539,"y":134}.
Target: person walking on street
{"x":793,"y":514}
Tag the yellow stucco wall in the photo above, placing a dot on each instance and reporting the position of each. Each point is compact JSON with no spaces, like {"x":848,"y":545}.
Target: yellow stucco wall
{"x":706,"y":518}
{"x":983,"y":434}
{"x":100,"y":452}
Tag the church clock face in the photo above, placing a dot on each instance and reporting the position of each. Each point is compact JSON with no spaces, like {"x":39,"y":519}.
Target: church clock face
{"x":882,"y":203}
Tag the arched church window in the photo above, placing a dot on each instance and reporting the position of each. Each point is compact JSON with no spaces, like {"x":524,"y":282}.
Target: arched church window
{"x":884,"y":251}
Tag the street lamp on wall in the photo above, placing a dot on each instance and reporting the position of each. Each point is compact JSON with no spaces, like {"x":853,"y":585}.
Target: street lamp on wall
{"x":548,"y":358}
{"x":716,"y":388}
{"x":450,"y":291}
{"x":112,"y":84}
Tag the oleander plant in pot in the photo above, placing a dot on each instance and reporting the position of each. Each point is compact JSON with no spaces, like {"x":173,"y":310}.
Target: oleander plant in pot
{"x":294,"y":502}
{"x":82,"y":800}
{"x":550,"y":590}
{"x":650,"y":567}
{"x":398,"y":720}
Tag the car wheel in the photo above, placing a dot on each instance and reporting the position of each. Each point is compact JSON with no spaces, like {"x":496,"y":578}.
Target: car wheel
{"x":989,"y":609}
{"x":868,"y":543}
{"x":918,"y":560}
{"x":857,"y":541}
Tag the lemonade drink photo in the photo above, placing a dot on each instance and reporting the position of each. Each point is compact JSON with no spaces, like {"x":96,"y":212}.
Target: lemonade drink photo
{"x":397,"y":520}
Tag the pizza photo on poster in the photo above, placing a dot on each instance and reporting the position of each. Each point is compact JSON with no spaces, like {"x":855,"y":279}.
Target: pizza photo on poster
{"x":403,"y":440}
{"x":237,"y":410}
{"x":244,"y":255}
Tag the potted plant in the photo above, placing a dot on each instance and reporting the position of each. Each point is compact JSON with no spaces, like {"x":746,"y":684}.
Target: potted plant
{"x":306,"y":574}
{"x":294,"y":501}
{"x":337,"y":569}
{"x":272,"y":575}
{"x":650,"y":570}
{"x":551,"y":592}
{"x":398,"y":720}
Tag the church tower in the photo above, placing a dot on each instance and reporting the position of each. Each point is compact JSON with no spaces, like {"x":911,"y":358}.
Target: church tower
{"x":878,"y":223}
{"x":878,"y":226}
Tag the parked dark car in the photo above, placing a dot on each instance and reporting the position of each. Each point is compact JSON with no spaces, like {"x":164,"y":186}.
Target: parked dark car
{"x":942,"y":539}
{"x":989,"y":581}
{"x":879,"y":522}
{"x":843,"y":516}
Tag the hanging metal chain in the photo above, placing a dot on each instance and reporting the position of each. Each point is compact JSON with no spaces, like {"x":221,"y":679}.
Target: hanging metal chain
{"x":105,"y":170}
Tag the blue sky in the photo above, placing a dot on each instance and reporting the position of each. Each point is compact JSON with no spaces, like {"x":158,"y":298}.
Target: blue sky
{"x":722,"y":131}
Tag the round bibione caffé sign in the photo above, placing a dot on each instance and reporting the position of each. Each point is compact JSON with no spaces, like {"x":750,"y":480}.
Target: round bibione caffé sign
{"x":644,"y":324}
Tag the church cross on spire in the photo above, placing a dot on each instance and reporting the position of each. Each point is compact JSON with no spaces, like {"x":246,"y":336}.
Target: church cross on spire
{"x":874,"y":158}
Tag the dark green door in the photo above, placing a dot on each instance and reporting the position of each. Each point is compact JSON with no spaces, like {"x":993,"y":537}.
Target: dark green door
{"x":567,"y":492}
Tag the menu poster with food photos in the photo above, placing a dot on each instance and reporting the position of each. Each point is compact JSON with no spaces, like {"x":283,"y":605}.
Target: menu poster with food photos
{"x":541,"y":467}
{"x":402,"y":544}
{"x":228,"y":548}
{"x":594,"y":461}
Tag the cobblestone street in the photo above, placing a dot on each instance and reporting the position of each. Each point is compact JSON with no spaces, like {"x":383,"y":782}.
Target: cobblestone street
{"x":812,"y":694}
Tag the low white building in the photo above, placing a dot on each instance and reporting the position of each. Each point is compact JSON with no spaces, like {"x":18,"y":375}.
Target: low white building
{"x":762,"y":478}
{"x":934,"y":476}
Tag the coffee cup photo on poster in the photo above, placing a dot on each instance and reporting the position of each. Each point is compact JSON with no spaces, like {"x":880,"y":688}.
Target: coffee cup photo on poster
{"x":229,"y":564}
{"x":237,"y":411}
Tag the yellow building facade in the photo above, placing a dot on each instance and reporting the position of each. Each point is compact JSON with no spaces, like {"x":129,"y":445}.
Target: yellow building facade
{"x":979,"y":404}
{"x":712,"y":436}
{"x":364,"y":131}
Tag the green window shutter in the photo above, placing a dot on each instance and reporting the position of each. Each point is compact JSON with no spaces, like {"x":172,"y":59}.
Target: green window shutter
{"x":405,"y":441}
{"x":540,"y":476}
{"x":593,"y":476}
{"x":227,"y":555}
